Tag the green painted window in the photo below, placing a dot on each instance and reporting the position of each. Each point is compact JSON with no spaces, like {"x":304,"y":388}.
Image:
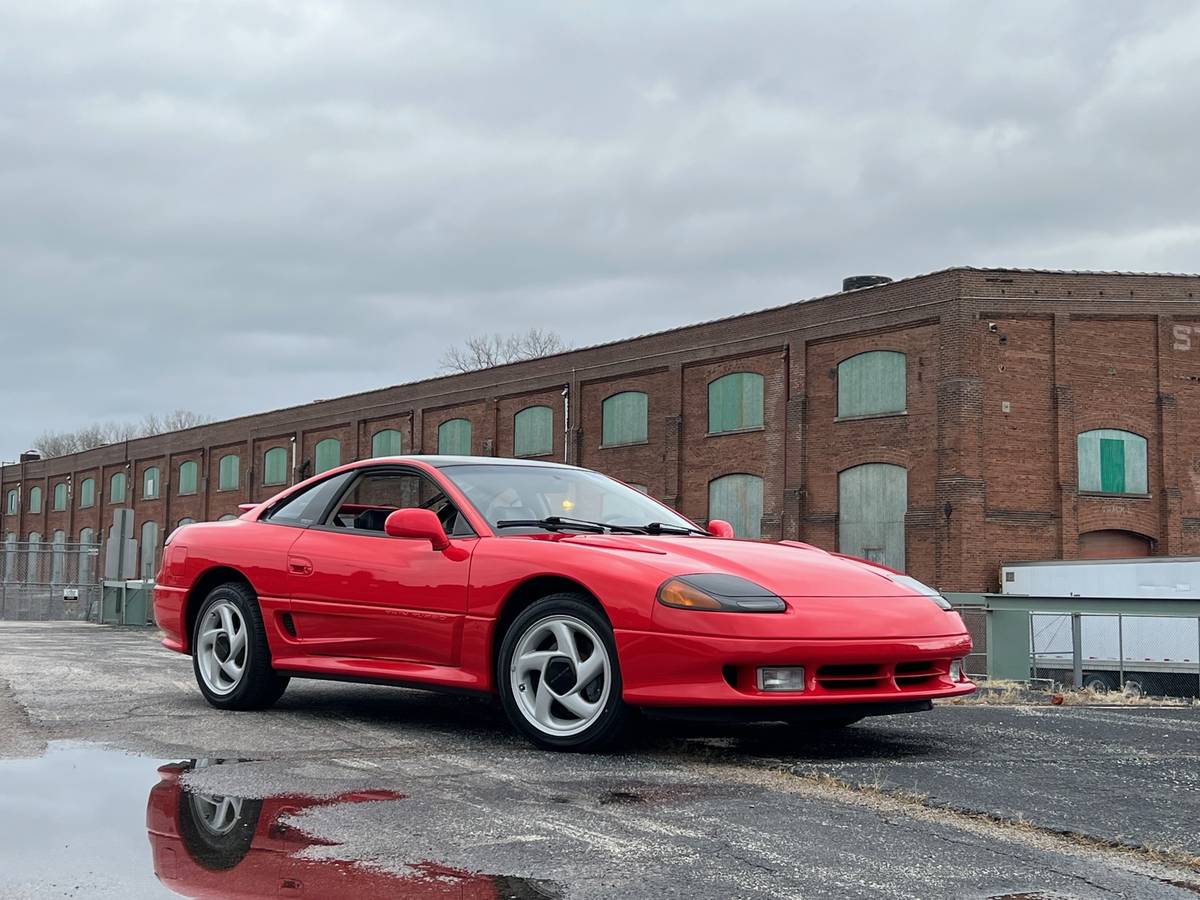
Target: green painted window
{"x":60,"y":497}
{"x":116,"y":488}
{"x":738,"y":499}
{"x":625,"y":416}
{"x":872,"y":503}
{"x":58,"y":557}
{"x":149,"y":551}
{"x":186,"y":520}
{"x":12,"y":503}
{"x":35,"y":499}
{"x":87,"y":493}
{"x":387,"y":443}
{"x":328,"y":454}
{"x":188,"y":474}
{"x":1112,"y":461}
{"x":87,"y":536}
{"x":33,"y":565}
{"x":229,"y":475}
{"x":872,"y":384}
{"x":454,"y":438}
{"x":533,"y":431}
{"x":150,"y":483}
{"x":275,"y":466}
{"x":735,"y":402}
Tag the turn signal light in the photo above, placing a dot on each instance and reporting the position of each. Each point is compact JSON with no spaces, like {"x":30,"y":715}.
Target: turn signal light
{"x":683,"y":596}
{"x":958,"y":670}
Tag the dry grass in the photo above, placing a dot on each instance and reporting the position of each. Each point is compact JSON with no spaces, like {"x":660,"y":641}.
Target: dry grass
{"x":1015,"y":693}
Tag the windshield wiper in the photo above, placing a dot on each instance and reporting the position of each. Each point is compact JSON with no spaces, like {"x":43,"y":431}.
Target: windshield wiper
{"x":664,"y":528}
{"x":563,"y":523}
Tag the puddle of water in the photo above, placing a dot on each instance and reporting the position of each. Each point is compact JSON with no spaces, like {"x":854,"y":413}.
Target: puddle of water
{"x":83,"y":821}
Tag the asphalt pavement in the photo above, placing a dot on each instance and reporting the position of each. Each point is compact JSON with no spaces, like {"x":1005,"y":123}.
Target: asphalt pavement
{"x":422,"y":793}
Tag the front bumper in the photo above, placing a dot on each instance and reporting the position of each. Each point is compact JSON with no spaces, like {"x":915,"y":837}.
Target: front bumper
{"x":675,"y":670}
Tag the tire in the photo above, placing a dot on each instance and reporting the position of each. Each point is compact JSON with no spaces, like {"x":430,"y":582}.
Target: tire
{"x":217,"y":831}
{"x":555,"y":637}
{"x":257,"y":686}
{"x":1099,"y":682}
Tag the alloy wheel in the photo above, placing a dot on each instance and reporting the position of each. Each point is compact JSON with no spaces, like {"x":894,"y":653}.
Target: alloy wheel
{"x":561,"y":675}
{"x":221,"y":647}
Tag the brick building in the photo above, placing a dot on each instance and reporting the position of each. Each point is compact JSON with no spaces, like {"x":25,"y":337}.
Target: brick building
{"x":943,"y":423}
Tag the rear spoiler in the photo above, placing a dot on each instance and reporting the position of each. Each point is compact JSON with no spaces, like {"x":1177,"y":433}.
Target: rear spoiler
{"x":247,"y":507}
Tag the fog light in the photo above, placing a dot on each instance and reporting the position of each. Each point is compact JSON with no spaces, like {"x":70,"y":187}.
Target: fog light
{"x":957,"y":672}
{"x":790,"y":678}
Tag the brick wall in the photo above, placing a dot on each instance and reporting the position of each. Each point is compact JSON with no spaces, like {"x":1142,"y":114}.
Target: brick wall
{"x":986,"y":484}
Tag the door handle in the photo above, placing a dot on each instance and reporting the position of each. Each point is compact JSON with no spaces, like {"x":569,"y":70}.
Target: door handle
{"x":298,"y":565}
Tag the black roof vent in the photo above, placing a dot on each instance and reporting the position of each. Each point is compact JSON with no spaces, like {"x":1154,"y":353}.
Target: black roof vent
{"x":854,"y":282}
{"x":30,"y":456}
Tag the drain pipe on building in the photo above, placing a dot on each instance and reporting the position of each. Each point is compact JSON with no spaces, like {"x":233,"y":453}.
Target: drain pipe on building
{"x":566,"y":395}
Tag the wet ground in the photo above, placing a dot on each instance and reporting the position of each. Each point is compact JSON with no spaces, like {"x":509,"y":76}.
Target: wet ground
{"x":116,"y":780}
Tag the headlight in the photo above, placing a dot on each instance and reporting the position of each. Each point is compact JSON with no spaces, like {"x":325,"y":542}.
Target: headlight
{"x":914,"y":585}
{"x":718,"y":593}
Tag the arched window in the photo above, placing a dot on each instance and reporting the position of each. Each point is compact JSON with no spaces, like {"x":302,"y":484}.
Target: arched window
{"x":150,"y":483}
{"x":10,"y":556}
{"x":639,"y":487}
{"x":872,"y":501}
{"x":387,"y":443}
{"x":229,"y":474}
{"x":533,"y":431}
{"x":454,"y":438}
{"x":186,"y":520}
{"x":625,"y":417}
{"x":87,"y":537}
{"x":60,"y":497}
{"x":188,"y":476}
{"x":87,"y":493}
{"x":1112,"y":462}
{"x":35,"y":499}
{"x":275,"y":465}
{"x":116,"y":488}
{"x":738,"y":499}
{"x":12,"y":502}
{"x":228,"y":517}
{"x":328,"y":455}
{"x":735,"y":402}
{"x":149,"y":551}
{"x":33,"y":564}
{"x":872,"y":384}
{"x":58,"y":557}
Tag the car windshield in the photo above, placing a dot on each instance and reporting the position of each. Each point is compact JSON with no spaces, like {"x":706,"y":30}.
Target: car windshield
{"x":534,"y":493}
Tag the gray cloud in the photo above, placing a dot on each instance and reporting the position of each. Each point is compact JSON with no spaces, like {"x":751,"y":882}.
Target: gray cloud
{"x":232,"y":206}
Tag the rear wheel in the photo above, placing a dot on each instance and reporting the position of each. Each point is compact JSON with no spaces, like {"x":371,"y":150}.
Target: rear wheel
{"x":558,"y":676}
{"x":1099,"y":682}
{"x":230,"y":656}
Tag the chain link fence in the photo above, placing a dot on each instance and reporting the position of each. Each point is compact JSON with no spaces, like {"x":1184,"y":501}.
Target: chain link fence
{"x":41,"y":581}
{"x":1155,"y":656}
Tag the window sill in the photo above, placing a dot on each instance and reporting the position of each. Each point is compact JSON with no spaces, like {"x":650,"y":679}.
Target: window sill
{"x":548,"y":453}
{"x":186,"y":494}
{"x":626,"y":444}
{"x":868,"y":416}
{"x":1102,"y":495}
{"x":751,"y":430}
{"x":276,"y":483}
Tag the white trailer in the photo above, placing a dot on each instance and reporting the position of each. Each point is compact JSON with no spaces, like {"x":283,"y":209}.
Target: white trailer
{"x":1148,"y":654}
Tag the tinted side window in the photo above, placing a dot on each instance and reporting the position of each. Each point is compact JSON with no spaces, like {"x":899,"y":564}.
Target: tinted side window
{"x":306,"y":507}
{"x":366,"y":506}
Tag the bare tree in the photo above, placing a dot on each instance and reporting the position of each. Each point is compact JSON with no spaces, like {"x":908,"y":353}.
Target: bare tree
{"x":61,"y":443}
{"x":487,"y":350}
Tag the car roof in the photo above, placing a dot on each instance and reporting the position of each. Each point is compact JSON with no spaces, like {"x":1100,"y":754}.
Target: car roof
{"x":441,"y":462}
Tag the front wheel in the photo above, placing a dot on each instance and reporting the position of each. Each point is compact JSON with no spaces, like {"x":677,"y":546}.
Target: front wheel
{"x":558,"y":676}
{"x":229,"y":651}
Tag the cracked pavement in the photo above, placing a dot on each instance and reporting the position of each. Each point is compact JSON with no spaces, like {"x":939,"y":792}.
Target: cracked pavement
{"x":966,"y":801}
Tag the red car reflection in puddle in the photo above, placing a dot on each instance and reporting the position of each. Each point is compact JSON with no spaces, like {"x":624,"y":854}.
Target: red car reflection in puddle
{"x":206,"y":845}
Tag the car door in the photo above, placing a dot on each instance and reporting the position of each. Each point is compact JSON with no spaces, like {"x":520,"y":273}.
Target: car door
{"x":358,"y":593}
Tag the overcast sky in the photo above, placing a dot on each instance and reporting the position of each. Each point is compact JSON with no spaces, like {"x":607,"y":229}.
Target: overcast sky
{"x":234,"y":206}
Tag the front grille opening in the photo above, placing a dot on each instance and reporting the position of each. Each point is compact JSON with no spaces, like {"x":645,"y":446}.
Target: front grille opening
{"x":852,"y":677}
{"x":912,"y":674}
{"x":730,"y":673}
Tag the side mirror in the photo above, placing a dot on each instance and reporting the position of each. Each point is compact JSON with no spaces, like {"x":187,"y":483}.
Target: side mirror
{"x":720,"y":528}
{"x":417,"y":523}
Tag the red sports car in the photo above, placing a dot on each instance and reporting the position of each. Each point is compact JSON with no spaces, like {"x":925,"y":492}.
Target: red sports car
{"x":573,"y":596}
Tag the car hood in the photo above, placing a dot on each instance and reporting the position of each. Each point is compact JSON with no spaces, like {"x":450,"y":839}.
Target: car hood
{"x":786,"y":569}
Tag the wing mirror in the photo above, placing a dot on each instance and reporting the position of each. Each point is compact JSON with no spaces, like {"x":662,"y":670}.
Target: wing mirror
{"x":417,"y":523}
{"x":720,"y":528}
